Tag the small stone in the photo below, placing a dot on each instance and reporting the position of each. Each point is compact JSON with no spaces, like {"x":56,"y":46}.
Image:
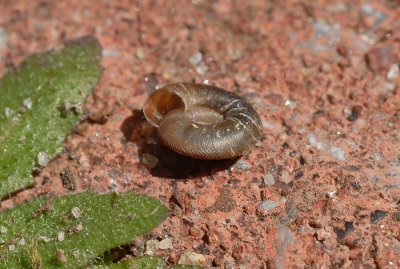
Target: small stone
{"x":283,"y":240}
{"x":335,"y":151}
{"x":3,"y":229}
{"x":152,"y":246}
{"x":394,"y":72}
{"x":269,"y":179}
{"x":341,"y":233}
{"x":165,"y":243}
{"x":367,"y":9}
{"x":331,"y":194}
{"x":380,"y":58}
{"x":196,"y":58}
{"x":268,"y":205}
{"x":201,"y":69}
{"x":140,"y":53}
{"x":61,"y":236}
{"x":8,"y":112}
{"x":27,"y":103}
{"x":149,"y":160}
{"x":43,"y":159}
{"x":290,"y":104}
{"x":192,"y":258}
{"x":243,"y":165}
{"x":61,"y":256}
{"x":11,"y":247}
{"x":196,"y":233}
{"x":44,"y":238}
{"x":377,"y":215}
{"x":21,"y":242}
{"x":79,"y":227}
{"x":76,"y":212}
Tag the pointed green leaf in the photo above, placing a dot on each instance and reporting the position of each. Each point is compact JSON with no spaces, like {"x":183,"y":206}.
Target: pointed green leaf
{"x":40,"y":102}
{"x":70,"y":231}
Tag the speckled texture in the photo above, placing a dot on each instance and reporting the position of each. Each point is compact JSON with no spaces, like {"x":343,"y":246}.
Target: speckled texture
{"x":322,"y":188}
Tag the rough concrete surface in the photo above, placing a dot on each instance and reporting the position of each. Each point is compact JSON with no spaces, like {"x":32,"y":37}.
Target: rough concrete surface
{"x":322,"y":188}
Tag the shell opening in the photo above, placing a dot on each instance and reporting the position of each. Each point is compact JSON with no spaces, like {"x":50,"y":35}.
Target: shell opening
{"x":160,"y":103}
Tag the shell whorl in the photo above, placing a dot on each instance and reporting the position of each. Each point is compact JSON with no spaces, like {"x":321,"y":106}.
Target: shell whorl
{"x":203,"y":121}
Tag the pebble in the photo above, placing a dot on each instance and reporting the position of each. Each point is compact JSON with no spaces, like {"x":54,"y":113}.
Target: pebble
{"x":201,"y":69}
{"x":44,"y":238}
{"x":377,"y":215}
{"x":152,"y":246}
{"x":380,"y":58}
{"x":243,"y":165}
{"x":334,"y":151}
{"x":22,"y":242}
{"x":61,"y":236}
{"x":268,"y":205}
{"x":27,"y":103}
{"x":196,"y":58}
{"x":394,"y":72}
{"x":8,"y":112}
{"x":43,"y":159}
{"x":192,"y":258}
{"x":3,"y":229}
{"x":140,"y":53}
{"x":283,"y":239}
{"x":165,"y":243}
{"x":269,"y":179}
{"x":76,"y":212}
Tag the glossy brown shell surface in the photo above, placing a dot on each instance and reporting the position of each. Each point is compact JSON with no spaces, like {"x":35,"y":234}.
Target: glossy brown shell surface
{"x":203,"y":121}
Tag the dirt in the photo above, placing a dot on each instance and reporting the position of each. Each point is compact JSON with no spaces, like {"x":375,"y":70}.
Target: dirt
{"x":321,"y":189}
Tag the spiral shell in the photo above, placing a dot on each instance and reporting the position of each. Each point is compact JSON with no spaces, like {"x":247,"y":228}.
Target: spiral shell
{"x":203,"y":121}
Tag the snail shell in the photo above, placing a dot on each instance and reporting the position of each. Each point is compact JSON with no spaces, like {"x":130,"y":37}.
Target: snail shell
{"x":203,"y":121}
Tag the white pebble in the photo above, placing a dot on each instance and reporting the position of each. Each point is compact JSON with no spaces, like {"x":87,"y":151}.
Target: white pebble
{"x":3,"y":229}
{"x":165,"y":243}
{"x":192,"y":258}
{"x":27,"y":103}
{"x":394,"y":72}
{"x":43,"y":159}
{"x":76,"y":212}
{"x":61,"y":236}
{"x":196,"y":58}
{"x":152,"y":246}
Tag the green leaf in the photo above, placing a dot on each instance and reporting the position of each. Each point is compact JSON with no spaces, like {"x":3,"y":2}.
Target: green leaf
{"x":70,"y":231}
{"x":40,"y":104}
